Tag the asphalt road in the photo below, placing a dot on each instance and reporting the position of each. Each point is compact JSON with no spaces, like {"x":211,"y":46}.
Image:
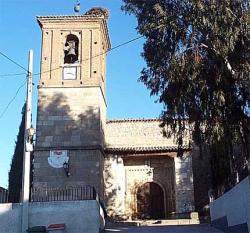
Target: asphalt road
{"x":201,"y":228}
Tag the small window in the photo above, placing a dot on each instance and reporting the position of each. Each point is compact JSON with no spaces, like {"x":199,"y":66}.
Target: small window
{"x":71,"y":47}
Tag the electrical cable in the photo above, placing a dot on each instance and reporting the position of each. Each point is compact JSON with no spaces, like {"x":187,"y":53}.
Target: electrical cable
{"x":87,"y":59}
{"x":12,"y":99}
{"x":13,"y":61}
{"x":4,"y":75}
{"x":125,"y":43}
{"x":111,"y":49}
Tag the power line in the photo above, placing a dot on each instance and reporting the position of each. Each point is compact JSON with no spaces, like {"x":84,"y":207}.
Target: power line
{"x":12,"y":99}
{"x":127,"y":42}
{"x":87,"y":59}
{"x":13,"y":61}
{"x":111,"y":49}
{"x":8,"y":75}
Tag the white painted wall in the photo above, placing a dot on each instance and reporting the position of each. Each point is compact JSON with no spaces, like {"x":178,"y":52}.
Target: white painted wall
{"x":10,"y":218}
{"x":78,"y":216}
{"x":235,"y":205}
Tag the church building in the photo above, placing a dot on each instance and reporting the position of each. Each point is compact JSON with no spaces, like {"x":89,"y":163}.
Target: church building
{"x":133,"y":167}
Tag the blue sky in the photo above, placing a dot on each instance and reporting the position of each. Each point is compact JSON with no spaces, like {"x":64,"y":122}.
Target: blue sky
{"x":127,"y":98}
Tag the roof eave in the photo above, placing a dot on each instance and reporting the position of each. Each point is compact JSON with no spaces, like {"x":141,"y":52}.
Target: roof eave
{"x":43,"y":19}
{"x":139,"y":150}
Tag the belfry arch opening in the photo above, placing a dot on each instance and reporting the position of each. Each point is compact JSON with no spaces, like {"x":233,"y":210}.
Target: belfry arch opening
{"x":71,"y":49}
{"x":150,"y":201}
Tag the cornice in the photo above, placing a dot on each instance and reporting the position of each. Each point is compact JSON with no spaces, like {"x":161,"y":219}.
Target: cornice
{"x":134,"y":120}
{"x":42,"y":20}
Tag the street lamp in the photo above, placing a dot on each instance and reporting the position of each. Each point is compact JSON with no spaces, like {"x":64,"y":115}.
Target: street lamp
{"x":66,"y":168}
{"x":30,"y":134}
{"x":29,"y":139}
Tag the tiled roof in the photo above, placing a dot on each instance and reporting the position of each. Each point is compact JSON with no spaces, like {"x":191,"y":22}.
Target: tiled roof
{"x":133,"y":120}
{"x":131,"y":149}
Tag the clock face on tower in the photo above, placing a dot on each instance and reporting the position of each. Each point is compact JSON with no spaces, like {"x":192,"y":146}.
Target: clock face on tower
{"x":69,"y":72}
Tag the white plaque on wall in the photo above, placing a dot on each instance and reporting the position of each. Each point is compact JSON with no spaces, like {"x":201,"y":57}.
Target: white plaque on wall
{"x":57,"y":158}
{"x":69,"y":72}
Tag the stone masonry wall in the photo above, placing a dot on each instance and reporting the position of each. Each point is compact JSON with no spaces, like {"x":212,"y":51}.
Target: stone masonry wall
{"x":140,"y":170}
{"x":184,"y":184}
{"x":71,"y":112}
{"x":69,"y":119}
{"x":202,"y":179}
{"x":136,"y":133}
{"x":176,"y":178}
{"x":93,"y":41}
{"x":124,"y":175}
{"x":85,"y":169}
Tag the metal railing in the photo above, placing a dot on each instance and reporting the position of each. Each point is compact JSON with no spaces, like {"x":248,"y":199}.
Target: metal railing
{"x":63,"y":194}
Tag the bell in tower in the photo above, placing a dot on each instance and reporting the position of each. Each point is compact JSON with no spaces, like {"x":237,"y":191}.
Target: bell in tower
{"x":71,"y":49}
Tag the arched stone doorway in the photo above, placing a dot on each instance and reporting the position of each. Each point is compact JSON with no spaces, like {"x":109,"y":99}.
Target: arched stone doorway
{"x":150,"y":201}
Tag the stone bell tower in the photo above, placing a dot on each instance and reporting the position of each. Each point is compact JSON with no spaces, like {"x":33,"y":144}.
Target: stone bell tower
{"x":71,"y":116}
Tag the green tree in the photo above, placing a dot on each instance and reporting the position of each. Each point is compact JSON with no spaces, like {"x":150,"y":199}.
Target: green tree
{"x":16,"y":167}
{"x":197,"y":54}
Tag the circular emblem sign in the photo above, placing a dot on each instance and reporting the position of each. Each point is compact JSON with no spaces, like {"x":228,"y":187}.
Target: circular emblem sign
{"x":57,"y":158}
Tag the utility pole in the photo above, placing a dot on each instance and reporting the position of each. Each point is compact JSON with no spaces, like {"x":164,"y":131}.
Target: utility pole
{"x":28,"y":147}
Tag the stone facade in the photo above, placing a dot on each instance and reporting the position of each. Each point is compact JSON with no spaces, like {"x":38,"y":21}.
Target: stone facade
{"x":138,"y":153}
{"x":120,"y":157}
{"x":137,"y":133}
{"x":70,"y":117}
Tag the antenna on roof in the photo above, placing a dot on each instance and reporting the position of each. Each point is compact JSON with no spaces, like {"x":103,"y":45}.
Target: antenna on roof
{"x":77,"y":7}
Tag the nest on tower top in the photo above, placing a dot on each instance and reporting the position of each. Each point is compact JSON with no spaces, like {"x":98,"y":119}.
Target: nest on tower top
{"x":98,"y":12}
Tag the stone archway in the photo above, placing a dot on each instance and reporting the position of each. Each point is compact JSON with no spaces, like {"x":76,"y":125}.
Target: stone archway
{"x":150,"y":201}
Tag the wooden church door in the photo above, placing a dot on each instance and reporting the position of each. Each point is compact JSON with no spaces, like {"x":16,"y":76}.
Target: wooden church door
{"x":150,"y":201}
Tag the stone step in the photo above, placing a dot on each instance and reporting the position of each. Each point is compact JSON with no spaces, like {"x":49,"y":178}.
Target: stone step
{"x":163,"y":222}
{"x":169,"y":222}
